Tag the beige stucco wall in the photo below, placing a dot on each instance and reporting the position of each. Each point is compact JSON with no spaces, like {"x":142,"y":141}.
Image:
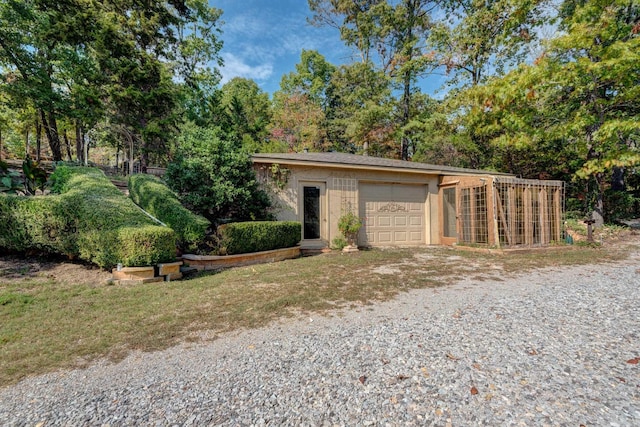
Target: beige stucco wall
{"x":342,"y":191}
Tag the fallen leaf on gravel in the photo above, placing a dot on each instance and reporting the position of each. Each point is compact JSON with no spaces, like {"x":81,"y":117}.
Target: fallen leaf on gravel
{"x":362,"y":379}
{"x":384,"y":361}
{"x":474,"y":391}
{"x":402,"y":377}
{"x":393,"y":400}
{"x":425,"y":372}
{"x":622,"y":380}
{"x":532,"y":352}
{"x":476,"y":366}
{"x":438,"y":412}
{"x":456,"y":315}
{"x":451,"y":356}
{"x":634,"y":361}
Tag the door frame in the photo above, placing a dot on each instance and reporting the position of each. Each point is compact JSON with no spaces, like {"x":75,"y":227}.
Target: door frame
{"x":444,"y":240}
{"x":324,"y":223}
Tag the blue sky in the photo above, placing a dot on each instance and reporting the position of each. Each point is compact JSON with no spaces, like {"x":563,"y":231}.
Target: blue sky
{"x":263,"y":40}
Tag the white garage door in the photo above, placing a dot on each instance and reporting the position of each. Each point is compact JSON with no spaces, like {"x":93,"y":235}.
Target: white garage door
{"x":394,"y":214}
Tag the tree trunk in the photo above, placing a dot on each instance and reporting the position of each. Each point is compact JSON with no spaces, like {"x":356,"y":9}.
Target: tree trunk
{"x":26,"y":143}
{"x":85,"y":144}
{"x":79,"y":147}
{"x":51,"y":130}
{"x":67,"y":144}
{"x":38,"y":139}
{"x":598,"y":209}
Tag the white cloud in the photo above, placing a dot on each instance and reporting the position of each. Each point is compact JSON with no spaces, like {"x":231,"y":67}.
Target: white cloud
{"x":236,"y":67}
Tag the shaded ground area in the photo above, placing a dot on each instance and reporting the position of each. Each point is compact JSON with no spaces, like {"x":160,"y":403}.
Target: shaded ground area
{"x":15,"y":269}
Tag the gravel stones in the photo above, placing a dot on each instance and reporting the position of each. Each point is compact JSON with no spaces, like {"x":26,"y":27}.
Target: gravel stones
{"x":547,"y":348}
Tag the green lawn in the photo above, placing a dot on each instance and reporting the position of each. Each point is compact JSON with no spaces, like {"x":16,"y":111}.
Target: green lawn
{"x":46,"y":324}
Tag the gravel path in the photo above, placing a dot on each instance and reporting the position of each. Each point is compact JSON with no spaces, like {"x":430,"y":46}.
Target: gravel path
{"x":547,"y":348}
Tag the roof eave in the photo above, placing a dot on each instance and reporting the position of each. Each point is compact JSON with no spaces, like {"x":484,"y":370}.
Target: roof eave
{"x":338,"y":165}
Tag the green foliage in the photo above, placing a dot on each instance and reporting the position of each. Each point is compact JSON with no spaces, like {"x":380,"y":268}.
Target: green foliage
{"x":349,"y":225}
{"x":397,"y":31}
{"x":360,"y":113}
{"x":152,"y":195}
{"x":9,"y":179}
{"x":480,"y":37}
{"x":312,"y":76}
{"x":146,"y":245}
{"x":35,"y":177}
{"x":110,"y":64}
{"x":257,"y":236}
{"x":247,"y":110}
{"x":574,"y":113}
{"x":214,"y":177}
{"x":339,"y":243}
{"x":89,"y":219}
{"x":620,"y":205}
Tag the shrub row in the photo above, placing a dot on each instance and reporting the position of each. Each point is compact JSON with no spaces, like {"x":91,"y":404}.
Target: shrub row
{"x":152,"y":195}
{"x":89,"y":219}
{"x":257,"y":236}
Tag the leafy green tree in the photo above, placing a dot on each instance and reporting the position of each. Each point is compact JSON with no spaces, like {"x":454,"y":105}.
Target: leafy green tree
{"x":248,"y":109}
{"x":300,"y":107}
{"x":123,"y":62}
{"x":395,"y":34}
{"x":214,"y":177}
{"x":576,"y":110}
{"x":297,"y":123}
{"x":30,"y":46}
{"x":482,"y":38}
{"x":311,"y":77}
{"x":360,"y":110}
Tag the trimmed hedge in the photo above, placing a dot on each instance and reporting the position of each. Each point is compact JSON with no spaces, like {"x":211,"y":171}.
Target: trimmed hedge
{"x":152,"y":195}
{"x":257,"y":236}
{"x":89,"y":219}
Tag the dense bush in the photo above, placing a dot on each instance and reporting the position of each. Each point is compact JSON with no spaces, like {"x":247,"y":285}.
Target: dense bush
{"x":245,"y":237}
{"x":620,"y":205}
{"x":214,"y":177}
{"x":152,"y":195}
{"x":89,"y":218}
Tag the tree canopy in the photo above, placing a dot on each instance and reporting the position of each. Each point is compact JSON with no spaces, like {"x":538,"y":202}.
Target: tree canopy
{"x":534,"y":88}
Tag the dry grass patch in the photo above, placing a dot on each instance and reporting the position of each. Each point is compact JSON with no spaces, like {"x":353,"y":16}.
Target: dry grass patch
{"x":48,"y":322}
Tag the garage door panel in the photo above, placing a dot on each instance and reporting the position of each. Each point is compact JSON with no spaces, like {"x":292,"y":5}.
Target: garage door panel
{"x":383,"y":221}
{"x":394,"y":214}
{"x":400,"y":237}
{"x":415,"y":236}
{"x":384,"y":236}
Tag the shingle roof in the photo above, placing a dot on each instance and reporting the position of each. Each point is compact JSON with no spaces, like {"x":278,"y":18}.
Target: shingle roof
{"x":359,"y":161}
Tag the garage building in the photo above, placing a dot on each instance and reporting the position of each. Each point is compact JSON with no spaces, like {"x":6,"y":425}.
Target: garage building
{"x":406,"y":203}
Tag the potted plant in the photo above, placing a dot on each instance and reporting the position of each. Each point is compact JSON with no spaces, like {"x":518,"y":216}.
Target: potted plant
{"x":349,"y":225}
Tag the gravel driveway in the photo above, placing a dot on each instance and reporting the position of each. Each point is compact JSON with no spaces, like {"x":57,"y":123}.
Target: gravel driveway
{"x":553,"y":347}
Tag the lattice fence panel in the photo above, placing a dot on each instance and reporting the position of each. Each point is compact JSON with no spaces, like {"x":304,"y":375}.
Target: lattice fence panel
{"x":528,"y":212}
